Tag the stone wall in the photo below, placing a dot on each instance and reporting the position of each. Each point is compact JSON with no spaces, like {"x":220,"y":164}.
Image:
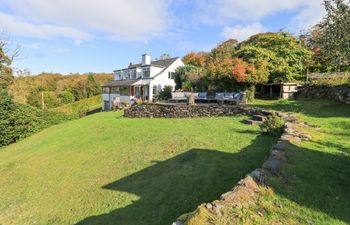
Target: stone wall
{"x":339,"y":93}
{"x":187,"y":111}
{"x":247,"y":191}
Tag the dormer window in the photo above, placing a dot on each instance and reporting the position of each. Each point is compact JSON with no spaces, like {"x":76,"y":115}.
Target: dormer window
{"x":118,"y":75}
{"x":146,"y":73}
{"x":133,"y":74}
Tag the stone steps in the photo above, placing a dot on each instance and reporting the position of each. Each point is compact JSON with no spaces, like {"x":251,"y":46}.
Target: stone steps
{"x":251,"y":122}
{"x":259,"y":118}
{"x":255,"y":120}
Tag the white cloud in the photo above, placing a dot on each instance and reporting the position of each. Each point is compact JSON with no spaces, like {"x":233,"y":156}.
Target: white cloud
{"x":241,"y":33}
{"x":310,"y":15}
{"x":17,"y":25}
{"x":221,"y":11}
{"x":36,"y":45}
{"x":120,"y":19}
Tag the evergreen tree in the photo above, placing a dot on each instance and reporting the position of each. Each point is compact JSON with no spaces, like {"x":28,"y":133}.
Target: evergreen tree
{"x":331,"y":37}
{"x":92,"y":87}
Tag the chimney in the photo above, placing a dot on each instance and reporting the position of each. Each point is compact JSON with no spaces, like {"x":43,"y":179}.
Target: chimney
{"x":146,"y":59}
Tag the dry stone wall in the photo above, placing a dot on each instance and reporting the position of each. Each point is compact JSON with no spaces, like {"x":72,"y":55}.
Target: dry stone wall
{"x":339,"y":93}
{"x":247,"y":191}
{"x":188,"y":111}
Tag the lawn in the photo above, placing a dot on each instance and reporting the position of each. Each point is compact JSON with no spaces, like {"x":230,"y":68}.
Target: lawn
{"x":313,"y":187}
{"x":106,"y":169}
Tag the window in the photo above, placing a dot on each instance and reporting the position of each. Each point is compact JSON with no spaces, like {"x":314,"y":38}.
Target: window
{"x":124,"y":91}
{"x":171,"y":75}
{"x":105,"y":90}
{"x":155,"y":90}
{"x":138,"y":73}
{"x":118,"y":75}
{"x":146,"y":73}
{"x":133,"y":74}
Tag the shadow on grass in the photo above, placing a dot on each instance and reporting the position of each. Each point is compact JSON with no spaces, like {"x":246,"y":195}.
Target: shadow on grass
{"x":316,"y":108}
{"x":314,"y":179}
{"x":178,"y":185}
{"x":317,"y":180}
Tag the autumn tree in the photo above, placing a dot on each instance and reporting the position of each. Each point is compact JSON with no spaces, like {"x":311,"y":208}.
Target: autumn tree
{"x":195,"y":59}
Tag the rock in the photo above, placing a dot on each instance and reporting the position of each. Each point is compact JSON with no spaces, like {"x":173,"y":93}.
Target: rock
{"x":177,"y":223}
{"x":281,"y":145}
{"x":258,"y":118}
{"x":209,"y":206}
{"x":272,"y":165}
{"x":251,"y":122}
{"x":258,"y":175}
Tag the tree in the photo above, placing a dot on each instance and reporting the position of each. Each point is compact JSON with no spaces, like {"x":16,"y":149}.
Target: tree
{"x":190,"y":78}
{"x":195,"y":59}
{"x":333,"y":36}
{"x":164,"y":56}
{"x":66,"y":97}
{"x":6,"y":77}
{"x":223,"y":51}
{"x":16,"y":121}
{"x":92,"y":87}
{"x":288,"y":60}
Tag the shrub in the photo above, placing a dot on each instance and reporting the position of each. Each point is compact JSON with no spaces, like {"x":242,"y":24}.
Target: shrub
{"x":250,"y":93}
{"x":66,"y":97}
{"x":165,"y":94}
{"x":138,"y":101}
{"x":18,"y":121}
{"x":273,"y":125}
{"x":82,"y":110}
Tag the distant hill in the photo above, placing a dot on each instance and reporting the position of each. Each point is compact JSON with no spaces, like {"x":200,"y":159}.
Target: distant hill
{"x":57,"y":89}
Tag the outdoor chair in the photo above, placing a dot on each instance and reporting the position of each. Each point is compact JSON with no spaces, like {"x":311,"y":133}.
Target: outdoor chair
{"x":177,"y":96}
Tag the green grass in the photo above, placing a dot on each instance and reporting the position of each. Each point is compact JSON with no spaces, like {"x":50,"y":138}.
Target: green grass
{"x":106,"y":169}
{"x":315,"y":189}
{"x":73,"y":108}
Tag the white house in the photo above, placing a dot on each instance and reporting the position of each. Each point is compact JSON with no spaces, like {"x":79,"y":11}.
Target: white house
{"x":140,"y":81}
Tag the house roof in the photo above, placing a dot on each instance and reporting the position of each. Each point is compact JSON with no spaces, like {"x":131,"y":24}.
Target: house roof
{"x":118,"y":83}
{"x":164,"y":63}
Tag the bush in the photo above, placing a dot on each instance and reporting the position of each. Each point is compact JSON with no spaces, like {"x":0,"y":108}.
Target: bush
{"x":165,"y":94}
{"x":18,"y":121}
{"x":66,"y":97}
{"x":273,"y":125}
{"x":82,"y":110}
{"x":250,"y":93}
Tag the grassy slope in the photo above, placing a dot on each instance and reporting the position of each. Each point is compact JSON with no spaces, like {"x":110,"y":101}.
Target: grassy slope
{"x":314,"y":188}
{"x":106,"y":169}
{"x":73,"y":108}
{"x":317,"y":188}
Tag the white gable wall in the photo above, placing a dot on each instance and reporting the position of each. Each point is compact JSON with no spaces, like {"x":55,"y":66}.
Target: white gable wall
{"x":163,"y":80}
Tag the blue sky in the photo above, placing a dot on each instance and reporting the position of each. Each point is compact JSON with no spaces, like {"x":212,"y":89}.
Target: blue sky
{"x":102,"y":35}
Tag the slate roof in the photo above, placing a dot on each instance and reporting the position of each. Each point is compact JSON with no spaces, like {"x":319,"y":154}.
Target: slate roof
{"x":118,"y":83}
{"x":164,"y":63}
